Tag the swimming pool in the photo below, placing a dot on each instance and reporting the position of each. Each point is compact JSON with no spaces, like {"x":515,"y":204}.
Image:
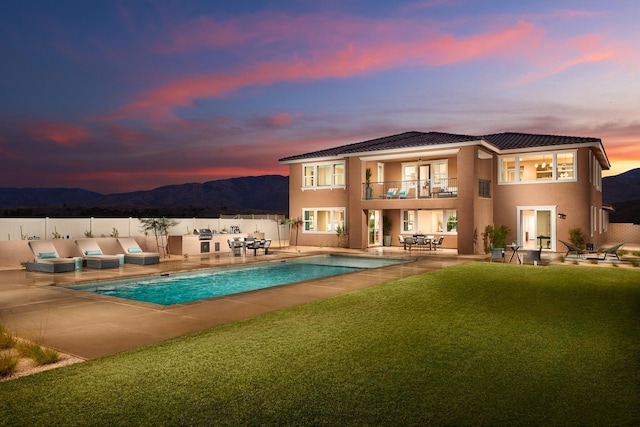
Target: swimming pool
{"x":168,"y":289}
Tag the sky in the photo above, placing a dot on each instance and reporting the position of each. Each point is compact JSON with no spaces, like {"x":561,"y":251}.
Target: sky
{"x":119,"y":96}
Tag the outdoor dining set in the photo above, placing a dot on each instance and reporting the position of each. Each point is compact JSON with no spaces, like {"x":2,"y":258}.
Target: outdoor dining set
{"x":239,"y":246}
{"x":421,"y":242}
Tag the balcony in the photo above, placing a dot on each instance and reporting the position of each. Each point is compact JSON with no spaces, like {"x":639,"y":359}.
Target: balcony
{"x":412,"y":189}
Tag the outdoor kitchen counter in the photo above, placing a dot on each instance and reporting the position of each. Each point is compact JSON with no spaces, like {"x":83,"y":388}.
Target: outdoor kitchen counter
{"x":194,"y":245}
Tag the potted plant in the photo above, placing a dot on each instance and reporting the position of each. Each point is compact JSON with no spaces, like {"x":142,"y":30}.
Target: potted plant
{"x":386,"y":230}
{"x":368,"y":189}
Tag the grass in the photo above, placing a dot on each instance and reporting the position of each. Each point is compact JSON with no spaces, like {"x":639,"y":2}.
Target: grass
{"x":479,"y":343}
{"x":40,"y":355}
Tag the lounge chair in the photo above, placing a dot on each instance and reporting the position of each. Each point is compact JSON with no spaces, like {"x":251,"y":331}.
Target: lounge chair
{"x":92,"y":255}
{"x":613,"y":251}
{"x":391,"y":193}
{"x":402,"y":194}
{"x":572,"y":248}
{"x":47,"y":259}
{"x":133,"y":254}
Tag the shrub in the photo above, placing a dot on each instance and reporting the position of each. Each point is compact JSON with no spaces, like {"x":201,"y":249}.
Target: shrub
{"x":42,"y":356}
{"x":496,"y":236}
{"x":636,"y":253}
{"x":6,"y":339}
{"x":8,"y":364}
{"x":576,"y":236}
{"x":634,"y":262}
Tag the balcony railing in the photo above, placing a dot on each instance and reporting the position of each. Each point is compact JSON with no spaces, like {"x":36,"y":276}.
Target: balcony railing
{"x":412,"y":189}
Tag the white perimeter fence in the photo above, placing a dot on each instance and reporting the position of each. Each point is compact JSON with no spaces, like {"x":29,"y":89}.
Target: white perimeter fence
{"x":77,"y":228}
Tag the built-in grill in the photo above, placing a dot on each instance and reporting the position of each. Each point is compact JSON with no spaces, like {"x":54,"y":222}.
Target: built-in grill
{"x":204,"y":233}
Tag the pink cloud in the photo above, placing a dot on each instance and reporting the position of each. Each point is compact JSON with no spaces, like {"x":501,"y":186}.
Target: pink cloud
{"x":282,"y":119}
{"x":59,"y":133}
{"x":344,"y":61}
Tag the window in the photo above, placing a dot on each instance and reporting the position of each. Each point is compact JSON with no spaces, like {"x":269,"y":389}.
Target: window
{"x":539,"y":167}
{"x":430,"y":221}
{"x":323,"y":175}
{"x":380,"y":172}
{"x":323,"y":220}
{"x":408,"y":221}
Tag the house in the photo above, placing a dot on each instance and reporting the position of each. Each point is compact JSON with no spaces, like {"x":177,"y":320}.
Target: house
{"x":436,"y":183}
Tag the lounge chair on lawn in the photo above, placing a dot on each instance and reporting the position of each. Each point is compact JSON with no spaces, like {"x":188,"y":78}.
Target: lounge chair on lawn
{"x":613,"y":251}
{"x":47,"y":259}
{"x":93,"y":257}
{"x":133,"y":254}
{"x":571,"y":248}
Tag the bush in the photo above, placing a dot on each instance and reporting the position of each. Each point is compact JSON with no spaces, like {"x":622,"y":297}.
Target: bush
{"x":42,"y":356}
{"x":496,"y":236}
{"x":8,"y":364}
{"x":6,"y":339}
{"x":576,"y":236}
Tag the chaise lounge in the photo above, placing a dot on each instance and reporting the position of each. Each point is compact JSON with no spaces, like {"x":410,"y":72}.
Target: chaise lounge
{"x":133,"y":254}
{"x":93,"y":257}
{"x":47,"y":259}
{"x":613,"y":251}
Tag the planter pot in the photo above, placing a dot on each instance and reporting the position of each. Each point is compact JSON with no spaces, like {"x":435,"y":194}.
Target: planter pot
{"x":387,"y":240}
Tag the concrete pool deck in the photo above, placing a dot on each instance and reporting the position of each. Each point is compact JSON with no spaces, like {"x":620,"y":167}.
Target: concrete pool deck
{"x":90,"y":326}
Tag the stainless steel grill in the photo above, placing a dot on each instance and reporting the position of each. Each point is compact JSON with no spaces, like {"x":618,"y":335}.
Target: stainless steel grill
{"x":203,"y":233}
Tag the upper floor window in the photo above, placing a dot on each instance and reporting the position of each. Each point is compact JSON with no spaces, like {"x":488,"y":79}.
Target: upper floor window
{"x":323,"y":175}
{"x":539,"y":167}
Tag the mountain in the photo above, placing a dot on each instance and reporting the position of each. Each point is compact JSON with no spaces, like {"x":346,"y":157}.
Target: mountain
{"x":253,"y":194}
{"x":623,"y":192}
{"x":621,"y":188}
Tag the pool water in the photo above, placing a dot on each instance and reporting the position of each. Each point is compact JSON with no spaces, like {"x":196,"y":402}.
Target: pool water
{"x":179,"y":288}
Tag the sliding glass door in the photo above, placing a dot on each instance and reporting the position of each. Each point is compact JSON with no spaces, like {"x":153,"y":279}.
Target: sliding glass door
{"x":537,"y":227}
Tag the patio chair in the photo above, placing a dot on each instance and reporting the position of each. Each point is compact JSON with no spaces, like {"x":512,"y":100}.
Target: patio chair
{"x":401,"y":240}
{"x":255,"y":245}
{"x":402,"y":194}
{"x":133,"y":254}
{"x":265,"y":245}
{"x":47,"y":260}
{"x":497,"y":253}
{"x":613,"y":251}
{"x":409,"y":242}
{"x":534,"y":255}
{"x":437,"y":242}
{"x":92,"y":256}
{"x":571,"y":248}
{"x":235,"y":247}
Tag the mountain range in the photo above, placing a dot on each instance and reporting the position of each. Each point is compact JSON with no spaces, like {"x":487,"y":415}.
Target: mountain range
{"x":252,"y":194}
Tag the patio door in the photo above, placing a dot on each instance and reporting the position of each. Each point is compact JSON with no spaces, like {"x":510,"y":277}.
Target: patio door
{"x":375,"y":228}
{"x":424,"y":184}
{"x":537,"y":227}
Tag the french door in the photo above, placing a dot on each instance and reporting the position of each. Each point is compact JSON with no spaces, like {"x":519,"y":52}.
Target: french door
{"x":375,"y":228}
{"x":537,"y":227}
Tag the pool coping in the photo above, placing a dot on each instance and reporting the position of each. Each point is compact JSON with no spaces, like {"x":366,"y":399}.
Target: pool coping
{"x":90,"y":325}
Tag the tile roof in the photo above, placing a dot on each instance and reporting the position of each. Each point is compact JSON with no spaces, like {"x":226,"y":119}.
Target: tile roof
{"x":403,"y":140}
{"x":502,"y":141}
{"x":513,"y":140}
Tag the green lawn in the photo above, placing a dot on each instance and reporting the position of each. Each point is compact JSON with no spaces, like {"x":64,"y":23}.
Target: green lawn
{"x":473,"y":344}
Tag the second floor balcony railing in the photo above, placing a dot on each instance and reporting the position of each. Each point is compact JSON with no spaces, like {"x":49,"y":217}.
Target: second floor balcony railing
{"x":411,"y":189}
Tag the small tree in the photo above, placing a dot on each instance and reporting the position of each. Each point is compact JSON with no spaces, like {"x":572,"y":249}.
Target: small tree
{"x":576,"y":237}
{"x":160,"y":228}
{"x":495,"y":236}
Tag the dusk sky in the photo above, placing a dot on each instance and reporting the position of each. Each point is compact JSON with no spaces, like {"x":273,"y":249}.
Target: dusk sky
{"x":118,"y":96}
